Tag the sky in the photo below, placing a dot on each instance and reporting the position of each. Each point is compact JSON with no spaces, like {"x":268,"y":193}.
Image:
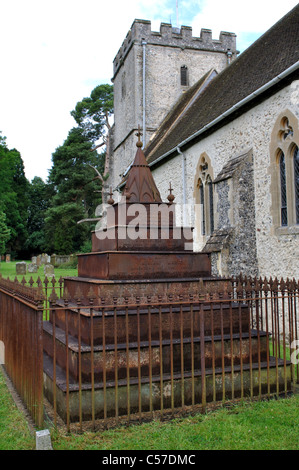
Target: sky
{"x":55,"y":52}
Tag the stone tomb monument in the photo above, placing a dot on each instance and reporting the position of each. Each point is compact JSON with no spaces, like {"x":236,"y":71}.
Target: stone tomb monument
{"x":118,"y":265}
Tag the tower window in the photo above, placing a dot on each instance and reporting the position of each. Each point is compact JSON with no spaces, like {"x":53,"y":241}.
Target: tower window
{"x":184,"y":76}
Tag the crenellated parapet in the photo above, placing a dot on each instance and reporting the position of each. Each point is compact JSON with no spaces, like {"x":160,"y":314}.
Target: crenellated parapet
{"x":174,"y":37}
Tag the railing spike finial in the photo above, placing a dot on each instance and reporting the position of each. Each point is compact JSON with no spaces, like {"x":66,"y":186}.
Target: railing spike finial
{"x":66,"y":296}
{"x":91,"y":295}
{"x":53,"y":297}
{"x":78,"y":297}
{"x":39,"y":296}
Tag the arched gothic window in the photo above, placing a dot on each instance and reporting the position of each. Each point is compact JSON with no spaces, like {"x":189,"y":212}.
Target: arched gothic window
{"x":283,"y":191}
{"x":202,"y":202}
{"x":211,"y":203}
{"x":204,"y":195}
{"x":285,"y":172}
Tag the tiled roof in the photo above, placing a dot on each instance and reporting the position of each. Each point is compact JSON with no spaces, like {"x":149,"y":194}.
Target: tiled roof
{"x":273,"y":53}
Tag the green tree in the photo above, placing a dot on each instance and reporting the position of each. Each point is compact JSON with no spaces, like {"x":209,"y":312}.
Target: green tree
{"x":75,"y":194}
{"x":13,"y":196}
{"x":39,"y":195}
{"x":4,"y":233}
{"x":92,"y":116}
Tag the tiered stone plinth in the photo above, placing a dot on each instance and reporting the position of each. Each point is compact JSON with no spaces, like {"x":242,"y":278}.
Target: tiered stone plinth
{"x":136,"y":354}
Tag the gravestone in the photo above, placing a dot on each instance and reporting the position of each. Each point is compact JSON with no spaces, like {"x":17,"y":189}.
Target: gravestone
{"x":38,"y":260}
{"x":34,"y":260}
{"x":57,"y":260}
{"x":21,"y":268}
{"x":49,"y":270}
{"x":32,"y":268}
{"x":7,"y":258}
{"x":45,"y":259}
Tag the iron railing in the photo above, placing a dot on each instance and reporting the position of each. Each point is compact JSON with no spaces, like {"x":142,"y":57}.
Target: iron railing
{"x":114,"y":356}
{"x":21,"y":332}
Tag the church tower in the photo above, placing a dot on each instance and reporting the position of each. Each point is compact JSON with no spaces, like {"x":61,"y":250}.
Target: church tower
{"x":150,"y":72}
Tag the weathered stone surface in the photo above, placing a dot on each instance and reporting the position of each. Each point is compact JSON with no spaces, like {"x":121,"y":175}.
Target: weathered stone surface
{"x":32,"y":268}
{"x":49,"y":270}
{"x":57,"y":260}
{"x":45,"y":259}
{"x":275,"y":253}
{"x":165,"y":53}
{"x":43,"y":440}
{"x":21,"y":268}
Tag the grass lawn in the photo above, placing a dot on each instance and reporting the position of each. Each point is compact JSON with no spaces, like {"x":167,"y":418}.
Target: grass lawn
{"x":267,"y":425}
{"x":9,"y":270}
{"x":15,"y":433}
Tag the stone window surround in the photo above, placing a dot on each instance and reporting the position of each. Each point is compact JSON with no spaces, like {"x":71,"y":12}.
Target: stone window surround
{"x":204,"y":175}
{"x":283,"y":142}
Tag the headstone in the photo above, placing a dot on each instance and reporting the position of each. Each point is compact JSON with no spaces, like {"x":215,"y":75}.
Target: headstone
{"x":57,"y":260}
{"x":49,"y":270}
{"x":7,"y":258}
{"x":21,"y":268}
{"x":44,"y":258}
{"x":38,"y":261}
{"x":32,"y":268}
{"x":43,"y":440}
{"x":34,"y":260}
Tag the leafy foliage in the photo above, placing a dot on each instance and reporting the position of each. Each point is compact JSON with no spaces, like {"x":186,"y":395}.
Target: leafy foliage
{"x":4,"y":233}
{"x":39,"y":194}
{"x":39,"y":216}
{"x":92,"y":113}
{"x":74,"y":194}
{"x":13,"y":196}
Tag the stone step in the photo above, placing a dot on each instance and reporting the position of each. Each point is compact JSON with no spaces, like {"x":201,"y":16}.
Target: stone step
{"x":141,"y":395}
{"x":134,"y":323}
{"x":152,"y":357}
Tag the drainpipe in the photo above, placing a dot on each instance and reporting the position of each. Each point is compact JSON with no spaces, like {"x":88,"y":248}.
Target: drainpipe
{"x":184,"y":184}
{"x":143,"y":43}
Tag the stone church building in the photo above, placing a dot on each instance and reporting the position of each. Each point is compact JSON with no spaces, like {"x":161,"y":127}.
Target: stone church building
{"x":222,"y":127}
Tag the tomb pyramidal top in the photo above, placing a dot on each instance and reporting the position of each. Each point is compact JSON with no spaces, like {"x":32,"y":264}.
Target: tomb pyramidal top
{"x":140,"y":185}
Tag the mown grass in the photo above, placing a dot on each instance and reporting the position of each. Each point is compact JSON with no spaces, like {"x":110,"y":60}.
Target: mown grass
{"x":9,"y":270}
{"x":15,"y":434}
{"x":265,"y":425}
